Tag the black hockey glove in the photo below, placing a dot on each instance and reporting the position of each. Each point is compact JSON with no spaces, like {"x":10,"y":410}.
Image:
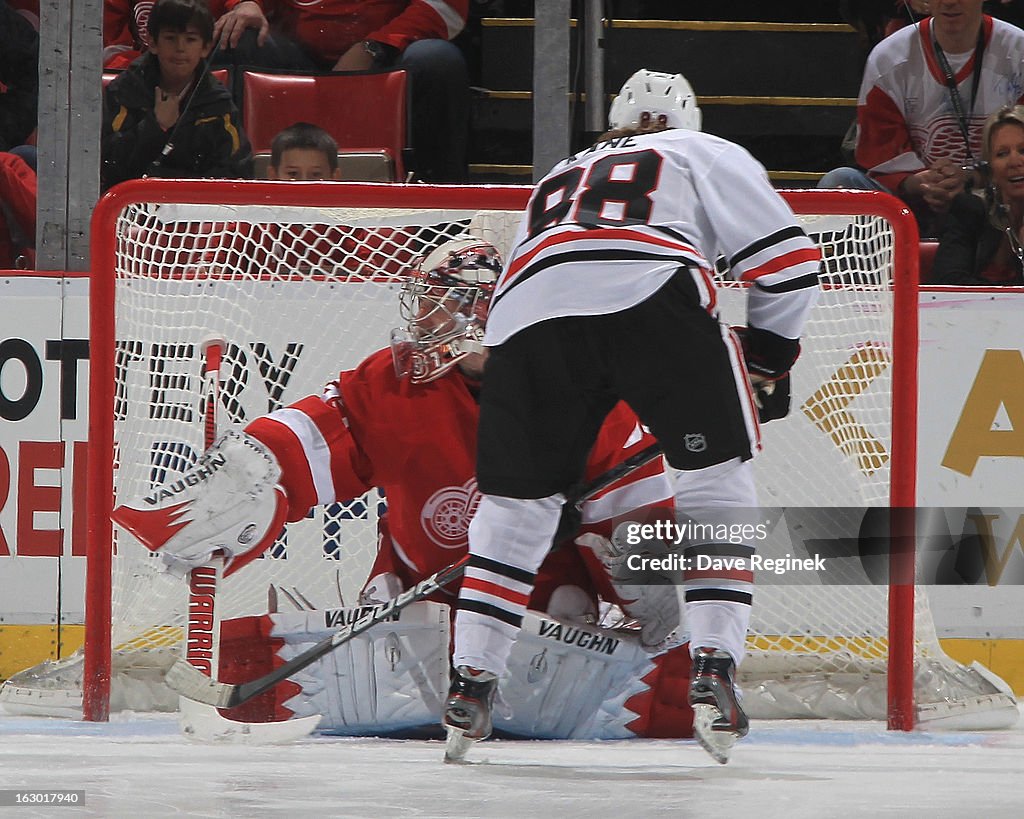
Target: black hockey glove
{"x":768,"y":373}
{"x":768,"y":354}
{"x":772,"y":398}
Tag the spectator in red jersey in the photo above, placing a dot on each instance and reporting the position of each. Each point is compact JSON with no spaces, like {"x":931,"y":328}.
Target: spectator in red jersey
{"x":17,"y":212}
{"x":982,"y":242}
{"x":29,"y":9}
{"x":347,"y":35}
{"x":125,"y":37}
{"x":19,"y":78}
{"x":19,"y":100}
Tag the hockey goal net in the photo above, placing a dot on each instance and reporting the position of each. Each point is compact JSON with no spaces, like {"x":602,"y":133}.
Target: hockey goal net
{"x":301,"y":282}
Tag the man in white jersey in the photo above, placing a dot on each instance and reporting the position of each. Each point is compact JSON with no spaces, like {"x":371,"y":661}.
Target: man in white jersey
{"x":609,"y":294}
{"x":924,"y":97}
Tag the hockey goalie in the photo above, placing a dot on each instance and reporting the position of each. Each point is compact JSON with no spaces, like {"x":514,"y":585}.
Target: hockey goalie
{"x":597,"y":658}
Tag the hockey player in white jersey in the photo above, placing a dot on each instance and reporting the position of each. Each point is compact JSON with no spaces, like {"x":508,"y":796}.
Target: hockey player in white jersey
{"x":609,"y":294}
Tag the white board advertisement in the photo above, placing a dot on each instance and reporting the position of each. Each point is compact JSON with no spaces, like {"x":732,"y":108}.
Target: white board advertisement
{"x":970,"y":431}
{"x":44,"y":371}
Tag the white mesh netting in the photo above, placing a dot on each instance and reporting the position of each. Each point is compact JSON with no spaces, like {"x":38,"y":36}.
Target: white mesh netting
{"x":300,"y":293}
{"x":820,"y":649}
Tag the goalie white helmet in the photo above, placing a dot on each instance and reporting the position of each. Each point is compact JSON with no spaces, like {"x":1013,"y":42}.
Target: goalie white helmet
{"x":654,"y":97}
{"x":445,"y":302}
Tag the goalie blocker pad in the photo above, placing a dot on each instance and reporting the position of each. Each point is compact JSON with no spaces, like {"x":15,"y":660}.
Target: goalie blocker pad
{"x":228,"y":502}
{"x":565,"y":680}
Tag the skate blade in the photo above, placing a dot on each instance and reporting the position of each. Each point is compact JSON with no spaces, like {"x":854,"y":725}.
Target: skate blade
{"x":456,"y":744}
{"x":717,"y":743}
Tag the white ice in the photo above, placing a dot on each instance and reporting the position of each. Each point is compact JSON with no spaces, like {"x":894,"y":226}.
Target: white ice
{"x":142,"y":767}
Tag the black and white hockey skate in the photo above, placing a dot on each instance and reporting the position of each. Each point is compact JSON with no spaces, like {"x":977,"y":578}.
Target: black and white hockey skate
{"x":718,"y":719}
{"x":467,"y":711}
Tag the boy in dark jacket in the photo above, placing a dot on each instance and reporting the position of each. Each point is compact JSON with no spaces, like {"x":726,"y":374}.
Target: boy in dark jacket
{"x":166,"y":117}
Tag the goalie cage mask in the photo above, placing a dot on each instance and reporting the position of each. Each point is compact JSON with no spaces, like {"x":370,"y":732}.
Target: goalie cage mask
{"x":444,"y":302}
{"x":650,"y":97}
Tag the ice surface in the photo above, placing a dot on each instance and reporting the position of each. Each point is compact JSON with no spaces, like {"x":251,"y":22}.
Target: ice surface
{"x":141,"y":766}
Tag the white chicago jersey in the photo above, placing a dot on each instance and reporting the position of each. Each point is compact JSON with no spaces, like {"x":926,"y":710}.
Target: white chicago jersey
{"x":608,"y":227}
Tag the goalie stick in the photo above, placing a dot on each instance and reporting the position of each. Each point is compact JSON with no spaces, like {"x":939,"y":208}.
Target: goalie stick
{"x":197,"y":720}
{"x":194,"y":685}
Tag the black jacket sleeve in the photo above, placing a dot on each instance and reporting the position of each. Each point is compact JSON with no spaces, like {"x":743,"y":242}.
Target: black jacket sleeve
{"x":207,"y":141}
{"x":957,"y":257}
{"x":132,"y":139}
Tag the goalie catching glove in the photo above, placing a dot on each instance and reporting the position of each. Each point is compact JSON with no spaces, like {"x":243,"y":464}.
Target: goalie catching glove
{"x":229,"y":503}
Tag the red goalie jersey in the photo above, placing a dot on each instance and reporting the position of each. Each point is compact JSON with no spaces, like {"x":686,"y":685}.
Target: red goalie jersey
{"x":417,"y":442}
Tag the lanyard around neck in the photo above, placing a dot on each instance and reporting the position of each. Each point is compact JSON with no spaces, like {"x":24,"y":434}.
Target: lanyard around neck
{"x":954,"y":92}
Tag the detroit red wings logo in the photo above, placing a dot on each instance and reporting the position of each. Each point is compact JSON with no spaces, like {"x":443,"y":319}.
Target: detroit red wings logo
{"x":447,"y":513}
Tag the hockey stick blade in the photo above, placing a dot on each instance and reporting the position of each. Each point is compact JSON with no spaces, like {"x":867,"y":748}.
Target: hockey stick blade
{"x":204,"y":723}
{"x":195,"y":685}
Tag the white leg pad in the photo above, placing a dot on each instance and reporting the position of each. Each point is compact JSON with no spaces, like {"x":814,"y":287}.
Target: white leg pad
{"x":570,"y":681}
{"x":390,"y":679}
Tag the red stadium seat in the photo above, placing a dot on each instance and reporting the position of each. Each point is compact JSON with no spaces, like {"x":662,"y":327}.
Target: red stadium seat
{"x":366,"y":113}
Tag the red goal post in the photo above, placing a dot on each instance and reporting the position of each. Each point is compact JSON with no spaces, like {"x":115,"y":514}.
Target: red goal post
{"x":889,"y":240}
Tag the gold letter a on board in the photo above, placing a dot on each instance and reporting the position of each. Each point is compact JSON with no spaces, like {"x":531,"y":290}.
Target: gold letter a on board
{"x":999,"y":383}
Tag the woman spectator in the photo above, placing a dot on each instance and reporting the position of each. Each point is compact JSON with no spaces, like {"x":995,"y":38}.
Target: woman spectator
{"x":983,"y":240}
